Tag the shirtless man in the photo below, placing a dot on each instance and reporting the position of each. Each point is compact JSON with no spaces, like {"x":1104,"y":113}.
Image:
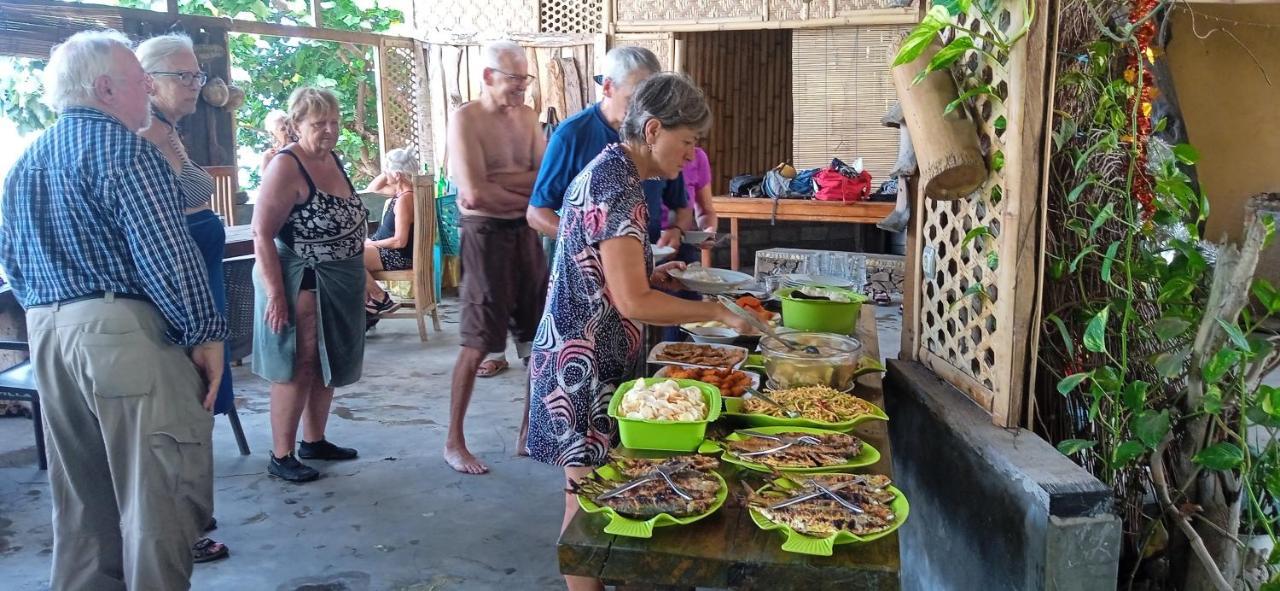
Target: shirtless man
{"x":496,"y":150}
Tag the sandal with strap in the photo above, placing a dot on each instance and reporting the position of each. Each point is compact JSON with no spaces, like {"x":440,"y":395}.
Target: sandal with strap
{"x":491,"y":367}
{"x":207,"y":550}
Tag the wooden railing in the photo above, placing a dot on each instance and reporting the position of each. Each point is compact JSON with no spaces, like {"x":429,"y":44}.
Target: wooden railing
{"x":225,"y":186}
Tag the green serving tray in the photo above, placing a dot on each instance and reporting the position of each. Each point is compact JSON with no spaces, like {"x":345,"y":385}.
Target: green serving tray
{"x":733,"y":408}
{"x":620,"y":525}
{"x":799,"y":543}
{"x":869,"y":455}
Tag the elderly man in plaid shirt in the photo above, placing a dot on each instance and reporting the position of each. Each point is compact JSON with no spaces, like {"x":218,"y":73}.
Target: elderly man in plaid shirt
{"x":125,"y":339}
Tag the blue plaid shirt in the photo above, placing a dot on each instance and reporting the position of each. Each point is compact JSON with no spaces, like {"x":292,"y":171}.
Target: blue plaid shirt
{"x":92,"y":206}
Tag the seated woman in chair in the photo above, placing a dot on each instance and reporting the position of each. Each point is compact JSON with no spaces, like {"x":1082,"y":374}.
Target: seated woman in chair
{"x":391,"y":246}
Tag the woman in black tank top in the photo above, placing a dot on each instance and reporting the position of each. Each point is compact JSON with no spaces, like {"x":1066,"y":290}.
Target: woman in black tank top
{"x":391,"y":246}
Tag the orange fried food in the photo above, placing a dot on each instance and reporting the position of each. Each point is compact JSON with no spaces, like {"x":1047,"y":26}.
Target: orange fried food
{"x":730,"y":382}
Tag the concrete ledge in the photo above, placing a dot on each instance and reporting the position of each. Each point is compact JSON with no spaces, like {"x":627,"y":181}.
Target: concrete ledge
{"x":991,"y":508}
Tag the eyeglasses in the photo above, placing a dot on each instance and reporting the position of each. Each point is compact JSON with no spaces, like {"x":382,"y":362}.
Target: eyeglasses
{"x":527,"y":78}
{"x":186,"y":78}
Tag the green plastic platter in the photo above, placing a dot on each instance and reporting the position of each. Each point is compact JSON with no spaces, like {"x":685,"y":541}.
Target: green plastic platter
{"x":799,"y":543}
{"x":620,"y":525}
{"x":869,"y":455}
{"x":733,"y":408}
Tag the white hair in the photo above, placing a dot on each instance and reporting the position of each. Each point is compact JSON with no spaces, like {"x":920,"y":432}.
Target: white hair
{"x":621,"y":62}
{"x":77,"y":63}
{"x":400,"y":160}
{"x":155,"y":52}
{"x":493,"y":52}
{"x":274,"y":117}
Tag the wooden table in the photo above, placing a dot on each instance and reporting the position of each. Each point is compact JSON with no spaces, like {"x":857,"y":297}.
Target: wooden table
{"x":793,"y":210}
{"x":239,"y":241}
{"x":727,"y":550}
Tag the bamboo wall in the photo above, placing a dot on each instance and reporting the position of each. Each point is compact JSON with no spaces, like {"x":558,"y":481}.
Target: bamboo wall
{"x":747,"y":78}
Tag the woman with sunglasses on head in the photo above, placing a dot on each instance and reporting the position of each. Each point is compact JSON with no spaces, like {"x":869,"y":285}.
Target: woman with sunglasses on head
{"x":171,"y":62}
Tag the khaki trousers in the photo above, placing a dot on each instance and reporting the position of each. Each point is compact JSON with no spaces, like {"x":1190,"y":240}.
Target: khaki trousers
{"x":130,"y":460}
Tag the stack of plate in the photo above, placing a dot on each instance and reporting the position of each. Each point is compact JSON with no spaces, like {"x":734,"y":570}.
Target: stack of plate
{"x":802,"y":280}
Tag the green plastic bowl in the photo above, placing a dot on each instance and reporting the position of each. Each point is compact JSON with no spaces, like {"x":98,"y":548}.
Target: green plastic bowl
{"x":869,"y":455}
{"x":818,"y":315}
{"x":665,"y":435}
{"x":620,"y":525}
{"x":799,"y":543}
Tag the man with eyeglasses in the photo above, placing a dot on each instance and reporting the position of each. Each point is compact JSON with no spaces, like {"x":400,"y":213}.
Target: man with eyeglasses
{"x":126,"y":342}
{"x":495,"y":148}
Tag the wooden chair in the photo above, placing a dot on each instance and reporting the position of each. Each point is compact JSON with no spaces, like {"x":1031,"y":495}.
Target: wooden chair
{"x":225,"y":186}
{"x":422,"y":275}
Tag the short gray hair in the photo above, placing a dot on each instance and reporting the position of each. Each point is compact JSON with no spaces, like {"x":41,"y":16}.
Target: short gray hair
{"x":400,"y":160}
{"x":275,"y":117}
{"x":493,"y":52}
{"x":155,"y":52}
{"x":77,"y":63}
{"x":621,"y":62}
{"x":673,"y":99}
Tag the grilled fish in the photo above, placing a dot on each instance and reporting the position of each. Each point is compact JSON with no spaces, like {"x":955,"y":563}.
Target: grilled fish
{"x":823,"y":516}
{"x":654,"y":496}
{"x":834,"y":449}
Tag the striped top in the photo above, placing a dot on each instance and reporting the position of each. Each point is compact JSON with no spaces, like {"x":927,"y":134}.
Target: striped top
{"x":196,"y":184}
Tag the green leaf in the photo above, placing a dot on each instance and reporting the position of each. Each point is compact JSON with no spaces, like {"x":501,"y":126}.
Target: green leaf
{"x":1000,"y":124}
{"x":1269,"y":400}
{"x":1171,"y":364}
{"x":1269,"y":224}
{"x":1266,"y":294}
{"x":1108,"y":260}
{"x":1237,"y":337}
{"x":1108,"y":212}
{"x":1095,"y":333}
{"x":1070,"y":447}
{"x":1074,"y":195}
{"x":1170,"y":327}
{"x":1220,"y":456}
{"x":1272,"y":483}
{"x":1135,"y":395}
{"x":973,"y":234}
{"x":1212,"y":401}
{"x":968,"y":94}
{"x":1151,"y":426}
{"x":948,"y":54}
{"x":993,"y":260}
{"x":1175,"y":290}
{"x":1218,"y":365}
{"x":1186,"y":154}
{"x":1161,"y":124}
{"x":1126,"y":452}
{"x":919,"y":39}
{"x":1069,"y":383}
{"x":1107,"y":378}
{"x":1075,"y":263}
{"x":1066,"y":335}
{"x":997,"y":160}
{"x":955,"y":7}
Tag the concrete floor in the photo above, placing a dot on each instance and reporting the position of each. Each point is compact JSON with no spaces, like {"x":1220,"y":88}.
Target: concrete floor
{"x":397,"y":518}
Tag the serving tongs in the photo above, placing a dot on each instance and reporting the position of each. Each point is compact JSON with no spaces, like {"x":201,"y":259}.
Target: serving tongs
{"x":785,"y":443}
{"x":764,"y":327}
{"x":754,"y":393}
{"x":823,"y":491}
{"x":663,"y":472}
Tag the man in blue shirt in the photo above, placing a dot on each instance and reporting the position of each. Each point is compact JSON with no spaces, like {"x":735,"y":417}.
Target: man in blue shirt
{"x":94,"y":243}
{"x":580,"y":138}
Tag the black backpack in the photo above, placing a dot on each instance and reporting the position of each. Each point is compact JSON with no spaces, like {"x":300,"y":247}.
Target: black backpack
{"x":553,"y":121}
{"x":746,"y":185}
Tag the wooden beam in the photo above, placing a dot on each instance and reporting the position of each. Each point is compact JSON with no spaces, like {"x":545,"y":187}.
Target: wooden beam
{"x":228,"y":24}
{"x":881,"y":16}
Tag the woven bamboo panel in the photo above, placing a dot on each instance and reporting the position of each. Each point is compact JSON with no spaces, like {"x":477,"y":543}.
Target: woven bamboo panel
{"x":402,"y":110}
{"x":648,"y":11}
{"x":661,"y":44}
{"x":842,"y":89}
{"x":978,"y":343}
{"x":802,"y":10}
{"x":32,"y":31}
{"x":470,"y":16}
{"x":571,"y":16}
{"x":746,"y":76}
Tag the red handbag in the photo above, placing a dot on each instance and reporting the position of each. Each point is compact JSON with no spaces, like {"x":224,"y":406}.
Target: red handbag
{"x":834,"y":186}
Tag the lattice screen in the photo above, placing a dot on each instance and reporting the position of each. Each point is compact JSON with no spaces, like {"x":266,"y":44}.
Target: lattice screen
{"x":572,"y":16}
{"x":403,"y":117}
{"x":678,"y":10}
{"x":796,"y":10}
{"x":975,"y":341}
{"x":470,"y":16}
{"x":661,"y":44}
{"x":842,"y":88}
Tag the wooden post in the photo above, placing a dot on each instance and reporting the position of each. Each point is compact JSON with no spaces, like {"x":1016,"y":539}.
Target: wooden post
{"x":317,"y":17}
{"x":171,"y":6}
{"x":951,"y":162}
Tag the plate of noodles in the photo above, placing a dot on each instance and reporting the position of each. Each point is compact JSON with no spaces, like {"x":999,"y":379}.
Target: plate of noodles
{"x":820,"y":407}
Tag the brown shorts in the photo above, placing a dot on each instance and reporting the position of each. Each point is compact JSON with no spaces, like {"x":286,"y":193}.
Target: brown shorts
{"x":504,"y":282}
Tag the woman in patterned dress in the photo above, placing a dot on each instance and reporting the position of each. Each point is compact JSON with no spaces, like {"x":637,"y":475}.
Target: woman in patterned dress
{"x":604,"y":284}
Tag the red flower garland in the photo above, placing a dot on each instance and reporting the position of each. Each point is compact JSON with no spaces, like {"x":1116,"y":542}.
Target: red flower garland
{"x":1145,"y":33}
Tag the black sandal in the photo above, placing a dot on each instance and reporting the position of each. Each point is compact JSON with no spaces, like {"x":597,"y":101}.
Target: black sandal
{"x":213,"y":524}
{"x":207,"y":550}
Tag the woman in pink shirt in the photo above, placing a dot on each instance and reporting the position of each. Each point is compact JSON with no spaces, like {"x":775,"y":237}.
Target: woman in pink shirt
{"x":697,"y":183}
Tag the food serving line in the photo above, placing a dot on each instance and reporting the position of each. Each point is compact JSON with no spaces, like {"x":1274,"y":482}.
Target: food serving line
{"x":720,"y":541}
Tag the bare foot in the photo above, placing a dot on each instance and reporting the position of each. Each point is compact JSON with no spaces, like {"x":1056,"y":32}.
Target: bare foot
{"x":461,"y":460}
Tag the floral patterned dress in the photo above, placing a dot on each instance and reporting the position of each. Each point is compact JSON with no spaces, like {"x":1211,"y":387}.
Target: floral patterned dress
{"x":584,"y":347}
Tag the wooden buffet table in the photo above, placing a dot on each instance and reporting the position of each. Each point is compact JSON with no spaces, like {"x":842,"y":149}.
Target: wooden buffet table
{"x":727,"y":550}
{"x":794,"y":210}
